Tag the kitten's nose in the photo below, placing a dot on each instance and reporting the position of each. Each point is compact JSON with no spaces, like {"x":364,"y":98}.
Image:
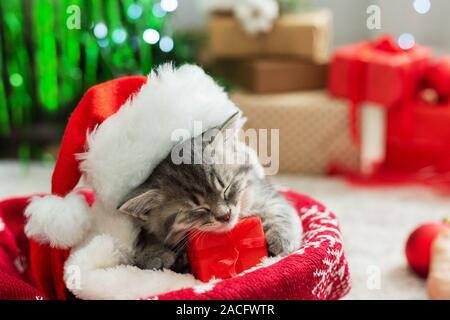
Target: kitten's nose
{"x":225,"y":217}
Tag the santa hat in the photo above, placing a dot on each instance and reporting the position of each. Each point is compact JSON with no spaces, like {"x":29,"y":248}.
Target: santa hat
{"x":116,"y":136}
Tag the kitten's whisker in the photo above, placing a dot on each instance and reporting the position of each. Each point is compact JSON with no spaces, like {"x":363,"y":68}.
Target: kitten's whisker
{"x":184,"y":239}
{"x":189,"y":236}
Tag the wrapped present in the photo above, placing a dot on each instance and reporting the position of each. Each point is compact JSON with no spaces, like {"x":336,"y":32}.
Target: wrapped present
{"x":377,"y":71}
{"x":420,"y":151}
{"x":376,"y":76}
{"x":304,"y":35}
{"x":313,"y":136}
{"x":273,"y":75}
{"x":426,"y":145}
{"x":224,"y":255}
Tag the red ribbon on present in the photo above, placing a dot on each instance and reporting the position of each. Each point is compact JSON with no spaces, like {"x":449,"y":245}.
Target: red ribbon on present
{"x":224,"y":255}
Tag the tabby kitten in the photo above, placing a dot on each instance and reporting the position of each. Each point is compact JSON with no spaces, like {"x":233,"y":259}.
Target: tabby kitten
{"x":184,"y":199}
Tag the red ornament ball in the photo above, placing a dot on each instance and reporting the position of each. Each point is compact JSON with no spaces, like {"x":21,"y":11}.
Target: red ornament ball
{"x":418,"y":246}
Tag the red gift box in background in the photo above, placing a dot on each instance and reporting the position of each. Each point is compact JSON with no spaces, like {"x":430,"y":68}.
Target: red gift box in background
{"x":377,"y":71}
{"x":417,"y":131}
{"x":425,"y":145}
{"x":224,"y":255}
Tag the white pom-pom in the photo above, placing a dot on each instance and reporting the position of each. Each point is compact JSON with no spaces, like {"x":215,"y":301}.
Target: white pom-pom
{"x":61,"y":222}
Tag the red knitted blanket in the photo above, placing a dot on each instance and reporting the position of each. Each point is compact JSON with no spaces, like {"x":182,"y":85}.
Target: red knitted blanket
{"x":318,"y":270}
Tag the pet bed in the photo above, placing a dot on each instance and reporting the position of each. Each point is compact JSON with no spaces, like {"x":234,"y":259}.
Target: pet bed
{"x":318,"y":270}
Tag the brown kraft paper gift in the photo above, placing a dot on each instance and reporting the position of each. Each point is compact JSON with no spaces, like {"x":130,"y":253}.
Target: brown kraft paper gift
{"x":302,"y":35}
{"x":314,"y":133}
{"x":273,"y":75}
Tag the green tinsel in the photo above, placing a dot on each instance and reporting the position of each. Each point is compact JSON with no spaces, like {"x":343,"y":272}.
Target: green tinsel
{"x":46,"y":59}
{"x":69,"y":74}
{"x":48,"y":66}
{"x":4,"y":112}
{"x":17,"y":62}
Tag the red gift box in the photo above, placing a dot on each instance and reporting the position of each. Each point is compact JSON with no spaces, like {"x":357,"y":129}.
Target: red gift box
{"x":427,"y":143}
{"x":224,"y":255}
{"x":379,"y":72}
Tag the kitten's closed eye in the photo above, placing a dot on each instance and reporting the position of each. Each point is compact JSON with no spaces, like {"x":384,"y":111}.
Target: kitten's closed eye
{"x":233,"y":192}
{"x":201,"y":210}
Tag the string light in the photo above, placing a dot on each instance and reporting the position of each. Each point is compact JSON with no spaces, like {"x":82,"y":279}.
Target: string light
{"x":166,"y":44}
{"x":406,"y":41}
{"x":119,"y":36}
{"x":169,"y":5}
{"x":134,"y":11}
{"x":100,"y":30}
{"x":151,"y":36}
{"x":422,"y":6}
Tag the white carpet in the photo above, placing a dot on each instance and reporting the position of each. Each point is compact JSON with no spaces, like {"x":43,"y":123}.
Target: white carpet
{"x":375,"y":224}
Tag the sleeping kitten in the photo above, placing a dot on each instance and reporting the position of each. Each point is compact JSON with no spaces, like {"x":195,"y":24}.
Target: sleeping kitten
{"x":184,"y":199}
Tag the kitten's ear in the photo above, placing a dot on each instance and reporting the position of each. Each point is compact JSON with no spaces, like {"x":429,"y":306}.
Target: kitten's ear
{"x":140,"y":205}
{"x":228,"y":129}
{"x":233,"y":124}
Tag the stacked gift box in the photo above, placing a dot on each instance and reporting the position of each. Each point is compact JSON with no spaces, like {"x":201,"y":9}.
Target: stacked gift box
{"x":279,"y":79}
{"x":314,"y":134}
{"x":407,"y":92}
{"x":293,"y":55}
{"x":386,"y":108}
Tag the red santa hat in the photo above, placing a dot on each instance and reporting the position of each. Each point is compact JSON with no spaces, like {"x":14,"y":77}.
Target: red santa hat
{"x":115,"y":137}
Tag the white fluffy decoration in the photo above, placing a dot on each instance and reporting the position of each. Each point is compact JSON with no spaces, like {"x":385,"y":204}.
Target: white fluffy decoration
{"x":59,"y":221}
{"x":99,"y":270}
{"x":256,"y":16}
{"x":127,"y":146}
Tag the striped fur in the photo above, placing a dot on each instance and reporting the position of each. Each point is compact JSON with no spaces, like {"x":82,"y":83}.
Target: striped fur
{"x":184,"y":199}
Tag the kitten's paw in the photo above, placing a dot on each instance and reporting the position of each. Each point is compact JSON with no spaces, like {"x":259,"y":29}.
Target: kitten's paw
{"x":280,"y":242}
{"x":168,"y":259}
{"x":157,"y":260}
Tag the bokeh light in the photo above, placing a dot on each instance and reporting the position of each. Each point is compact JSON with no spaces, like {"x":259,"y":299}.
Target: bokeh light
{"x":166,"y":44}
{"x":169,"y":5}
{"x":103,"y":43}
{"x":134,"y":11}
{"x":158,"y":11}
{"x":119,"y":36}
{"x":422,"y":6}
{"x":16,"y":80}
{"x":151,"y":36}
{"x":406,"y":41}
{"x":100,"y":30}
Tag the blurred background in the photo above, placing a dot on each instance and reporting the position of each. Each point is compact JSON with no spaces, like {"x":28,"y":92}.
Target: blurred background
{"x":45,"y":65}
{"x":358,"y":89}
